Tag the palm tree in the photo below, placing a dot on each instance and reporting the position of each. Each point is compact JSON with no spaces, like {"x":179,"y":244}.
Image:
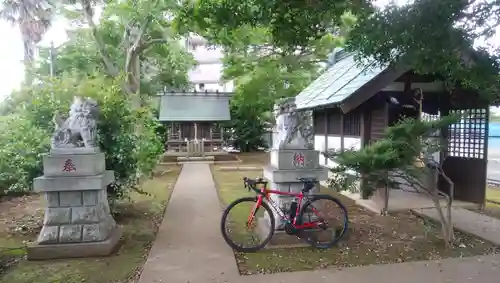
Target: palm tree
{"x":33,"y":18}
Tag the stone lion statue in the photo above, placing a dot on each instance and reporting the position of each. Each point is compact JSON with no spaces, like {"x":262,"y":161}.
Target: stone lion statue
{"x":294,"y":128}
{"x":80,"y":128}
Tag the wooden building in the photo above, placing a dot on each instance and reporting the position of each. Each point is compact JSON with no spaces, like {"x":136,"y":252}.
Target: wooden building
{"x":194,"y":116}
{"x":350,"y":102}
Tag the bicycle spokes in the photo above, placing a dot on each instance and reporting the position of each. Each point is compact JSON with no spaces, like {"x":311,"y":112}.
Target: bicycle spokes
{"x":325,"y":222}
{"x":243,"y":227}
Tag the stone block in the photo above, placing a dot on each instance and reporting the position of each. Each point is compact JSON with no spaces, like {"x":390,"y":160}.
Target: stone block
{"x":286,"y":159}
{"x":70,"y":233}
{"x":75,"y":250}
{"x":89,"y":197}
{"x":74,"y":150}
{"x":86,"y":214}
{"x":98,"y":232}
{"x":64,"y":165}
{"x":52,"y":199}
{"x":281,"y":176}
{"x":48,"y":235}
{"x":70,"y":198}
{"x":57,"y":216}
{"x":76,"y":183}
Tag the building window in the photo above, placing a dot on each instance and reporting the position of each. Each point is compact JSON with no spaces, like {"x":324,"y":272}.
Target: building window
{"x":351,"y":124}
{"x":319,"y":122}
{"x":333,"y":122}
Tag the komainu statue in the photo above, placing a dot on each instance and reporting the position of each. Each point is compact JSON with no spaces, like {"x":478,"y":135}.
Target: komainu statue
{"x":293,"y":127}
{"x":80,"y":128}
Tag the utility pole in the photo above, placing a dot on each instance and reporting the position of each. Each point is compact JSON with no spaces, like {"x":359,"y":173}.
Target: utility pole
{"x":51,"y":58}
{"x":51,"y":64}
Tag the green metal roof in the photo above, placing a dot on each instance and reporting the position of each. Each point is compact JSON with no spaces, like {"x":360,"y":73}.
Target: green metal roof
{"x":176,"y":107}
{"x":338,"y":82}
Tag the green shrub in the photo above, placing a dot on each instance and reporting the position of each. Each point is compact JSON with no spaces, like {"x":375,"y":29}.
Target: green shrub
{"x":21,"y":147}
{"x":127,"y":137}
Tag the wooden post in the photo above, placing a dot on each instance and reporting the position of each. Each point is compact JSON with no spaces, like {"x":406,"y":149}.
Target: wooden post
{"x":341,"y":131}
{"x":180,"y":131}
{"x":195,"y":131}
{"x":326,"y":120}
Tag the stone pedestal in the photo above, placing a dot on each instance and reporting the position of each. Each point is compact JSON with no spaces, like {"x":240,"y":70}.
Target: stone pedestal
{"x":78,"y":221}
{"x":286,"y":165}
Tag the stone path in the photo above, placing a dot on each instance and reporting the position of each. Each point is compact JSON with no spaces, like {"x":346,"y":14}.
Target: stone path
{"x":483,"y":226}
{"x":189,"y":246}
{"x":190,"y":249}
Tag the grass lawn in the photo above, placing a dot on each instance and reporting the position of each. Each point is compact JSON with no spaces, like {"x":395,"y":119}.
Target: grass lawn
{"x":492,"y":209}
{"x":371,"y":239}
{"x":20,"y":220}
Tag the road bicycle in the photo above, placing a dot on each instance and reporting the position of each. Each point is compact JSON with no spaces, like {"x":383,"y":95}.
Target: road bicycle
{"x":303,"y":217}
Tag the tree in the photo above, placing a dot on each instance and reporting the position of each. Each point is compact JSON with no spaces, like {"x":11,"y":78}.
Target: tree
{"x":262,"y":69}
{"x":403,"y":158}
{"x":131,"y":38}
{"x":435,"y":37}
{"x":291,"y":24}
{"x":33,"y":18}
{"x":163,"y":65}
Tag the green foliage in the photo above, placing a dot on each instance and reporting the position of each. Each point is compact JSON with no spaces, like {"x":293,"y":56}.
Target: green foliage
{"x":398,"y":151}
{"x":247,"y":122}
{"x":105,"y":47}
{"x":290,"y":23}
{"x":21,"y":147}
{"x":434,"y":37}
{"x":263,"y":67}
{"x":130,"y":152}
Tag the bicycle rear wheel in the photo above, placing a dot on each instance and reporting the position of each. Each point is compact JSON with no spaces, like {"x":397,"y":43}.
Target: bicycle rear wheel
{"x":241,"y":217}
{"x":331,"y":218}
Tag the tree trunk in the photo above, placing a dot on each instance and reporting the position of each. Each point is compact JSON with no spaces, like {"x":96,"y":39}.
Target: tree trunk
{"x":446,"y":225}
{"x":29,"y":57}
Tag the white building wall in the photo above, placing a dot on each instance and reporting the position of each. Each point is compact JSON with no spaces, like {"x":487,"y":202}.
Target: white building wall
{"x":334,"y":142}
{"x":207,"y":74}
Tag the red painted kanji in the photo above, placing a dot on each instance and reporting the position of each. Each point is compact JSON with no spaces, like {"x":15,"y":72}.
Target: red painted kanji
{"x":298,"y":160}
{"x":69,"y":166}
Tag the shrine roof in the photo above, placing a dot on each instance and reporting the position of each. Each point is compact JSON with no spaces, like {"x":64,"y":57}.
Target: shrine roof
{"x":194,"y":106}
{"x":342,"y":79}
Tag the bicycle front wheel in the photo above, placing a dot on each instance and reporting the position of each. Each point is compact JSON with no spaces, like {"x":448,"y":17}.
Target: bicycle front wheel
{"x":246,"y":227}
{"x":330,"y":218}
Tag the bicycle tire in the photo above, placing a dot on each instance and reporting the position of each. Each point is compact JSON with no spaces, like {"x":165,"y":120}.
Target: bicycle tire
{"x":237,"y":247}
{"x":344,"y":227}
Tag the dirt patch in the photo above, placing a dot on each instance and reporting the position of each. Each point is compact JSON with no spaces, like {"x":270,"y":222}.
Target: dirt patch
{"x":371,"y":239}
{"x":140,"y":217}
{"x":21,"y":215}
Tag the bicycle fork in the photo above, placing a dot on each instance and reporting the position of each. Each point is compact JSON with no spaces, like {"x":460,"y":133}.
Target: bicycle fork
{"x":251,"y":217}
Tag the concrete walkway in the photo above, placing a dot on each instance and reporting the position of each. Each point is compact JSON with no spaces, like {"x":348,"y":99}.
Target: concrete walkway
{"x":189,"y":246}
{"x":470,"y":222}
{"x":190,"y":249}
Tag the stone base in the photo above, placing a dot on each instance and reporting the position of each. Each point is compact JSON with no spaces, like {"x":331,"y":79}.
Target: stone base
{"x":280,"y":238}
{"x":91,"y":249}
{"x":195,"y":158}
{"x":65,"y":165}
{"x":283,"y":176}
{"x":74,"y":150}
{"x":284,"y":159}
